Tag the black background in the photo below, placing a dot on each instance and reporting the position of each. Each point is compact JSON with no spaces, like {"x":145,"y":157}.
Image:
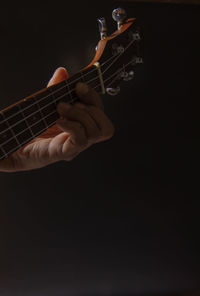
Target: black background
{"x":123,"y":217}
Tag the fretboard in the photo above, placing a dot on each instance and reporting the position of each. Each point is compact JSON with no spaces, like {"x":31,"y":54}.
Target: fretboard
{"x":32,"y":116}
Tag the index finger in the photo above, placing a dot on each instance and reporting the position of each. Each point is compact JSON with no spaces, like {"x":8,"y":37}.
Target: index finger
{"x":88,"y":95}
{"x":59,"y":75}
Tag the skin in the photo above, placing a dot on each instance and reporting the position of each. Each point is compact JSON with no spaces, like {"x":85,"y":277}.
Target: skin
{"x":79,"y":126}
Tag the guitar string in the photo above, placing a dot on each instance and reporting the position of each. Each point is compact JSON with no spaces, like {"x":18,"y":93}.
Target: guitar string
{"x":38,"y":111}
{"x":27,"y":140}
{"x":49,"y":95}
{"x":68,"y":84}
{"x":116,"y":73}
{"x":119,"y":56}
{"x":54,"y":92}
{"x":31,"y":138}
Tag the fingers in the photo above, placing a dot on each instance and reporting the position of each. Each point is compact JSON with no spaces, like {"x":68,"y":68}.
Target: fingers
{"x":88,"y":95}
{"x":93,"y":106}
{"x":77,"y":133}
{"x":84,"y":121}
{"x":78,"y":115}
{"x":88,"y":121}
{"x":59,"y":75}
{"x":104,"y":124}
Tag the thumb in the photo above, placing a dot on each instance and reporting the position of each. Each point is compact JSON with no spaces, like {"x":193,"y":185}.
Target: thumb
{"x":59,"y":75}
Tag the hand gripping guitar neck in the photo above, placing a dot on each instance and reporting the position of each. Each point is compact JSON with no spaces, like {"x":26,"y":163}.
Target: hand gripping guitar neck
{"x":116,"y":56}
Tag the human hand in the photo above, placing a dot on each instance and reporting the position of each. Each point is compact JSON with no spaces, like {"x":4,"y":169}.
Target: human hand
{"x":79,"y":126}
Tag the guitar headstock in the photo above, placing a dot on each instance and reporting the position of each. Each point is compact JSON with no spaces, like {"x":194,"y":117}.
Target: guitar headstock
{"x":118,"y":54}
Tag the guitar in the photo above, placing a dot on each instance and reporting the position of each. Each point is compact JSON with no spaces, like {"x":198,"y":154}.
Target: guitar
{"x":116,"y":56}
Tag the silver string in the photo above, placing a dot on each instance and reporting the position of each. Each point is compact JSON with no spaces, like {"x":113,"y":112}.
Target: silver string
{"x":27,"y":140}
{"x":36,"y":102}
{"x":52,"y":93}
{"x":35,"y":135}
{"x":43,"y":118}
{"x":54,"y":101}
{"x":118,"y":56}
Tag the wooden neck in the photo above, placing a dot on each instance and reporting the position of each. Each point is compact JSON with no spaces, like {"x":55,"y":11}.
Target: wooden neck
{"x":33,"y":115}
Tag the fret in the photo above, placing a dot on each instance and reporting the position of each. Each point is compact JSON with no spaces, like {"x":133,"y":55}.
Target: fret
{"x":61,"y":92}
{"x":24,"y":136}
{"x":10,"y":114}
{"x":52,"y":118}
{"x":14,"y":128}
{"x":48,"y":110}
{"x":7,"y":142}
{"x":91,"y":76}
{"x":36,"y":128}
{"x":32,"y":119}
{"x":10,"y":146}
{"x":22,"y":112}
{"x":47,"y":105}
{"x":20,"y":127}
{"x":26,"y":120}
{"x":72,"y":86}
{"x":46,"y":125}
{"x":5,"y":133}
{"x":28,"y":107}
{"x":44,"y":99}
{"x":52,"y":95}
{"x":5,"y":136}
{"x":69,"y":90}
{"x":32,"y":115}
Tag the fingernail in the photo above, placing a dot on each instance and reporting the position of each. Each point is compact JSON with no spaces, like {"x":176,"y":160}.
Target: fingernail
{"x":82,"y":88}
{"x":53,"y":74}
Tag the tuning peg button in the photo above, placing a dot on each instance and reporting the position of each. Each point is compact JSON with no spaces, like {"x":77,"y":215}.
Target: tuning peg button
{"x":102,"y":27}
{"x":127,"y":75}
{"x":119,"y":15}
{"x":113,"y":91}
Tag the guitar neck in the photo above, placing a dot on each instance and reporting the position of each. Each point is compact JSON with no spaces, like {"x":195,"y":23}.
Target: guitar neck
{"x":115,"y":58}
{"x":27,"y":119}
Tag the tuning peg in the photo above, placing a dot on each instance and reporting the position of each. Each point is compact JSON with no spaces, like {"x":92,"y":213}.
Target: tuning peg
{"x":119,"y":15}
{"x":127,"y":75}
{"x":113,"y":91}
{"x":102,"y":27}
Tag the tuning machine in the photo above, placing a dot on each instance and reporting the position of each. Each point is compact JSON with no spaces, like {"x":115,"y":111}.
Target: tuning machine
{"x":119,"y":15}
{"x":102,"y":27}
{"x":113,"y":91}
{"x":127,"y":76}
